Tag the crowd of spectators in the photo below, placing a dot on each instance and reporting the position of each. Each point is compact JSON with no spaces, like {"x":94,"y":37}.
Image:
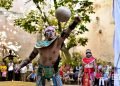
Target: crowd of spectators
{"x":8,"y":73}
{"x":103,"y":75}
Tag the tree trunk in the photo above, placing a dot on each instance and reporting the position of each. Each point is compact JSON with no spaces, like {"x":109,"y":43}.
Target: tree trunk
{"x":66,"y":56}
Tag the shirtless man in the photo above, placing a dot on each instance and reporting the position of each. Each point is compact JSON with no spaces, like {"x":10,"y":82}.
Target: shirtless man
{"x":89,"y":66}
{"x":49,"y":54}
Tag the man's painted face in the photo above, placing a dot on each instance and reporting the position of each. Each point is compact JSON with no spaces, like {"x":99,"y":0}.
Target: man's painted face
{"x":49,"y":32}
{"x":88,"y":54}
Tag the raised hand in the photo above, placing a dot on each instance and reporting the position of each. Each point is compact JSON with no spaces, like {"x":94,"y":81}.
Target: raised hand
{"x":76,"y":20}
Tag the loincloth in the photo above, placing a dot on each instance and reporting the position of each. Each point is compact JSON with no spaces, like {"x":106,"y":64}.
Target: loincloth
{"x":46,"y":72}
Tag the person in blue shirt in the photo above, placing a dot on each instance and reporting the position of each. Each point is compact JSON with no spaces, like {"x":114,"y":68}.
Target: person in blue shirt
{"x":32,"y":77}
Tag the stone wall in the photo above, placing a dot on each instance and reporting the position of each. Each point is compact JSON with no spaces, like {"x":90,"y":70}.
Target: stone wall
{"x":101,"y":30}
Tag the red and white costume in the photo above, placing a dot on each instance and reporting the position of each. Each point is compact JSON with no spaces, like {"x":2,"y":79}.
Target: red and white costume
{"x":88,"y":65}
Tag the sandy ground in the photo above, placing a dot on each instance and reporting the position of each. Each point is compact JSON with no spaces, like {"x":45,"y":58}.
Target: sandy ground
{"x":19,"y":83}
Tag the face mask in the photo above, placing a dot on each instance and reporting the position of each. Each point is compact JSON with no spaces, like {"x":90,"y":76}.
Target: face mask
{"x":88,"y":55}
{"x":49,"y":34}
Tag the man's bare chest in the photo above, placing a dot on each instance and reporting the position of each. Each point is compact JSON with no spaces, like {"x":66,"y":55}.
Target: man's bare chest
{"x":50,"y":51}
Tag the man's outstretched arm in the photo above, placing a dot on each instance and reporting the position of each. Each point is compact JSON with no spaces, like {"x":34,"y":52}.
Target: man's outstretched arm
{"x":4,"y":58}
{"x":71,"y":27}
{"x":29,"y":59}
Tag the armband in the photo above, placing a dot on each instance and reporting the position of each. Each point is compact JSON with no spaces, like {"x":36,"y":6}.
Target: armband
{"x":73,"y":25}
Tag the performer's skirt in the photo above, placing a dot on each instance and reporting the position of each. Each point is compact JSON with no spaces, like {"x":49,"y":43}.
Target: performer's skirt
{"x":46,"y":73}
{"x":87,"y":76}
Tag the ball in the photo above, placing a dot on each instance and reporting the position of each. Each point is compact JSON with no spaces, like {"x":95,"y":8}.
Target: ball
{"x":63,"y":14}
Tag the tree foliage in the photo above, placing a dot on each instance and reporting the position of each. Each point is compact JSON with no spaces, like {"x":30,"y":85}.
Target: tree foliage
{"x":7,"y":4}
{"x":30,"y":23}
{"x":77,"y":59}
{"x":44,"y":16}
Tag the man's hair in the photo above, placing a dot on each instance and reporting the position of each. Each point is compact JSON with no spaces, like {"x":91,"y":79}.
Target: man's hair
{"x":88,"y":50}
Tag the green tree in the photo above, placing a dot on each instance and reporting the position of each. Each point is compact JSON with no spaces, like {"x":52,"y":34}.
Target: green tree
{"x":7,"y":4}
{"x":37,"y":20}
{"x":76,"y":59}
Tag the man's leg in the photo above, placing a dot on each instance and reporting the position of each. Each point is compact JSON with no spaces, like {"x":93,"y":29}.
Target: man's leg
{"x":40,"y":81}
{"x":103,"y":82}
{"x":100,"y":81}
{"x":8,"y":74}
{"x":57,"y":80}
{"x":25,"y":76}
{"x":92,"y":79}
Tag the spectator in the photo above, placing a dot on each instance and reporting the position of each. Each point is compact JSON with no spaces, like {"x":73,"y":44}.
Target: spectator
{"x":105,"y":76}
{"x":61,"y":72}
{"x":35,"y":67}
{"x":71,"y":73}
{"x":66,"y":76}
{"x":111,"y":80}
{"x":98,"y":75}
{"x":30,"y":68}
{"x":10,"y":70}
{"x":76,"y":71}
{"x":32,"y":77}
{"x":4,"y":71}
{"x":23,"y":72}
{"x":17,"y":74}
{"x":99,"y":66}
{"x":0,"y":70}
{"x":101,"y":81}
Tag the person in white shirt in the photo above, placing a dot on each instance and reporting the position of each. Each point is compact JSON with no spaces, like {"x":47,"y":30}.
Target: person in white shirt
{"x":30,"y":68}
{"x":16,"y":74}
{"x":10,"y":70}
{"x":23,"y":72}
